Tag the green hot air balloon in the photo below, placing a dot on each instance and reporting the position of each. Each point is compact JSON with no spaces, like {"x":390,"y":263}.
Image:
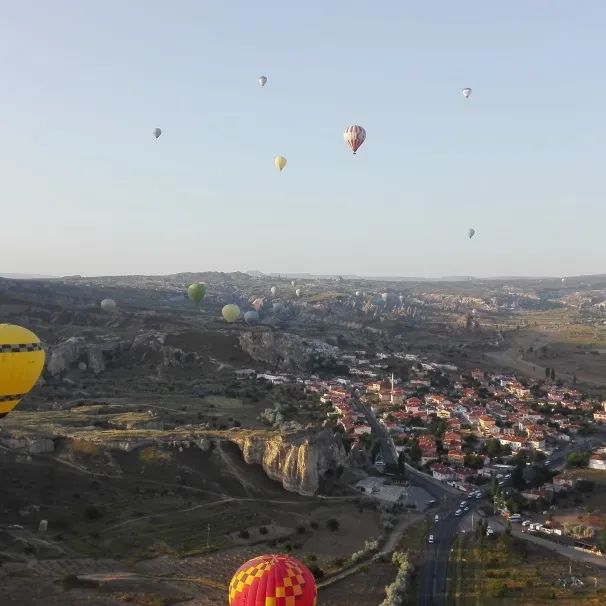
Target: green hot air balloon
{"x":230,"y":313}
{"x":196,"y":292}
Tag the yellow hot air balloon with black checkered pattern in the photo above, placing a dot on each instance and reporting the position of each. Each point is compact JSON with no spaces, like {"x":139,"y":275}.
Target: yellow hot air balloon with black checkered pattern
{"x":273,"y":580}
{"x":21,"y":363}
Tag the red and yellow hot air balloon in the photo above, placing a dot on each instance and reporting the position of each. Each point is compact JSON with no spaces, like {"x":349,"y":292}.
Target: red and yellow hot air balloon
{"x":273,"y":580}
{"x":21,"y":363}
{"x":354,"y":137}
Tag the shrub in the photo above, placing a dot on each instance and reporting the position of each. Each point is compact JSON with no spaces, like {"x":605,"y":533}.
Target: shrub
{"x":93,"y":513}
{"x":263,"y":530}
{"x":244,"y":534}
{"x":332,"y":524}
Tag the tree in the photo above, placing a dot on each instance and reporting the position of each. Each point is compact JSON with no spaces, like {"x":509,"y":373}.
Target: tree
{"x":553,"y":374}
{"x":402,"y":463}
{"x":603,"y":539}
{"x":574,"y":379}
{"x":547,"y":372}
{"x":517,"y":477}
{"x":577,"y":459}
{"x":415,"y":451}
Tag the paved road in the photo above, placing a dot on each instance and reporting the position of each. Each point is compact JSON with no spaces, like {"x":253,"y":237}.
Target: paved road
{"x":435,"y":567}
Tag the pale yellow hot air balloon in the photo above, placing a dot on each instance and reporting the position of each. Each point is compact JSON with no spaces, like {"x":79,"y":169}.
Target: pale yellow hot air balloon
{"x":280,"y":162}
{"x":230,"y":312}
{"x":21,"y":363}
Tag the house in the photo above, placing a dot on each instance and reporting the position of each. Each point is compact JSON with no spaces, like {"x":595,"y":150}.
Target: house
{"x":413,"y":405}
{"x":456,"y":456}
{"x":599,"y":416}
{"x":597,"y":460}
{"x":486,"y":423}
{"x":441,"y":472}
{"x":565,"y":479}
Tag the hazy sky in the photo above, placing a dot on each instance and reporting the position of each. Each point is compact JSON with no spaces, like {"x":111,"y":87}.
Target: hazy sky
{"x":84,"y":187}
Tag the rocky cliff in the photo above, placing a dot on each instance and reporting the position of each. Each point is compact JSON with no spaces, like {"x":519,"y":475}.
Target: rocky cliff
{"x":301,"y":463}
{"x":288,"y":352}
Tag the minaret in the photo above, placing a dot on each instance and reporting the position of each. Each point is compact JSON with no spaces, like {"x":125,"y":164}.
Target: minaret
{"x":391,"y":398}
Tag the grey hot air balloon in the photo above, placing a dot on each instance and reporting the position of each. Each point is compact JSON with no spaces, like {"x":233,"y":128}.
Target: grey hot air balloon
{"x":358,"y":293}
{"x":385,"y":296}
{"x":108,"y":305}
{"x":262,"y":81}
{"x":251,"y":317}
{"x":298,"y":292}
{"x":277,"y":307}
{"x":273,"y":290}
{"x":471,"y":232}
{"x":157,"y":132}
{"x":293,"y":283}
{"x":467,"y":93}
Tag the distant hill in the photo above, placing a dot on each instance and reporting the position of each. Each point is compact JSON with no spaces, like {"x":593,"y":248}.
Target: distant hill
{"x":27,"y":276}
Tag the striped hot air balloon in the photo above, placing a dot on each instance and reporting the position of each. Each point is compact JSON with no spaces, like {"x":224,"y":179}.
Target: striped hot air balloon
{"x":354,"y":137}
{"x":21,"y":363}
{"x":273,"y":580}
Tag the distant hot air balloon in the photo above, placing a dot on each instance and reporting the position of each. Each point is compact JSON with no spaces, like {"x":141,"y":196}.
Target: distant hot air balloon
{"x":196,"y":292}
{"x":21,"y":363}
{"x":354,"y":137}
{"x":258,"y":304}
{"x":273,"y":290}
{"x":357,"y":293}
{"x":563,"y":280}
{"x":293,"y":283}
{"x":385,"y":296}
{"x":277,"y":307}
{"x":298,"y":292}
{"x":401,"y":297}
{"x":230,"y":312}
{"x":467,"y":93}
{"x":251,"y":317}
{"x":280,"y":162}
{"x":157,"y":132}
{"x":262,"y":81}
{"x":277,"y":580}
{"x":108,"y":305}
{"x":471,"y":232}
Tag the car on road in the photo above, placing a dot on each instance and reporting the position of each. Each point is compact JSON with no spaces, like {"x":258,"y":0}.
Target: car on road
{"x":431,"y":502}
{"x":462,"y":504}
{"x":489,"y":531}
{"x":526,"y":523}
{"x":548,"y":462}
{"x":431,"y":539}
{"x":466,"y":508}
{"x":436,"y":518}
{"x":458,"y":512}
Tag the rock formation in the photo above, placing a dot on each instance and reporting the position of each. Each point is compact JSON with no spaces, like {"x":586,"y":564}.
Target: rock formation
{"x":300,"y":463}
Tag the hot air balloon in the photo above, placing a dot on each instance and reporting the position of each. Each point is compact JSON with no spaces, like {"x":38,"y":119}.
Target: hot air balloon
{"x":563,"y":280}
{"x":230,"y":312}
{"x":278,"y":580}
{"x":21,"y":363}
{"x":157,"y":132}
{"x":108,"y":305}
{"x":354,"y":137}
{"x":196,"y":292}
{"x":298,"y":292}
{"x":357,"y":293}
{"x":258,"y":304}
{"x":467,"y":93}
{"x":277,"y":307}
{"x":385,"y":296}
{"x":401,"y":297}
{"x":273,"y":290}
{"x":251,"y":317}
{"x":262,"y":81}
{"x":280,"y":162}
{"x":471,"y":232}
{"x":293,"y":283}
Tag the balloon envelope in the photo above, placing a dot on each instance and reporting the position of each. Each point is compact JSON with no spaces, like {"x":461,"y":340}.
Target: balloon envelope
{"x":271,"y":579}
{"x":196,"y":292}
{"x":280,"y":162}
{"x":262,"y":81}
{"x":385,"y":296}
{"x":273,"y":290}
{"x":277,"y":306}
{"x":230,"y":312}
{"x":251,"y":317}
{"x":471,"y":232}
{"x":467,"y":92}
{"x":298,"y":292}
{"x":357,"y":293}
{"x":108,"y":305}
{"x":354,"y":137}
{"x":258,"y":304}
{"x":157,"y":132}
{"x":21,"y":363}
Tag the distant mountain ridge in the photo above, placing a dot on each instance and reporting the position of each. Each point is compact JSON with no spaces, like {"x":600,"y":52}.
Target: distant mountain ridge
{"x":27,"y":276}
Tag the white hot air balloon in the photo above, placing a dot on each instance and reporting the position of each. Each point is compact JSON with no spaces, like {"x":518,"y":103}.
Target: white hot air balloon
{"x":401,"y":297}
{"x":467,"y":93}
{"x":385,"y":296}
{"x":293,"y":283}
{"x":262,"y":81}
{"x":298,"y":292}
{"x":157,"y":132}
{"x":358,"y":293}
{"x":273,"y":290}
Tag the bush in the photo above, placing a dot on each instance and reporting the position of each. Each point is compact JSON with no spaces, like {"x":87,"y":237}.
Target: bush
{"x":263,"y":530}
{"x":93,"y":513}
{"x":244,"y":534}
{"x":332,"y":524}
{"x":314,"y":525}
{"x":301,"y":529}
